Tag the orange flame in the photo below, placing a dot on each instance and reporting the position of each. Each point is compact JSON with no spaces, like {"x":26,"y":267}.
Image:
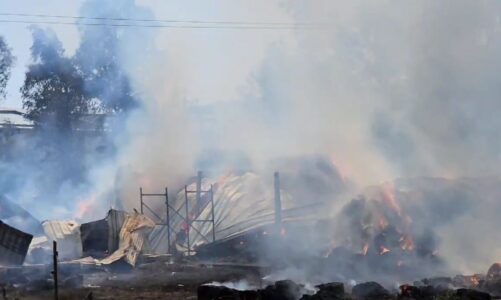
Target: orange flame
{"x":407,"y":243}
{"x":383,"y":223}
{"x":384,"y":250}
{"x":365,"y":249}
{"x":390,"y":198}
{"x":85,"y":207}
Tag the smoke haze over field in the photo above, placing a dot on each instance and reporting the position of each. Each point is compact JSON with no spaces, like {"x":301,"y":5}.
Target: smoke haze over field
{"x":382,"y":90}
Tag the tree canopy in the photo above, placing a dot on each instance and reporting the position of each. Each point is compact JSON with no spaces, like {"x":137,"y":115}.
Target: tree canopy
{"x":54,"y":89}
{"x":6,"y":62}
{"x":59,"y":89}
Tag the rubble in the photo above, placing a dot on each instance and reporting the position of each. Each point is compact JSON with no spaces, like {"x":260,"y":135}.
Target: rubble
{"x":116,"y":251}
{"x":328,"y":291}
{"x":494,"y":271}
{"x":469,"y":294}
{"x":281,"y":290}
{"x":370,"y":290}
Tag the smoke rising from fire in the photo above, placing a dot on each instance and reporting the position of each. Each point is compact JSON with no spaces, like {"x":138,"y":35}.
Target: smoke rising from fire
{"x":386,"y":90}
{"x":383,"y":90}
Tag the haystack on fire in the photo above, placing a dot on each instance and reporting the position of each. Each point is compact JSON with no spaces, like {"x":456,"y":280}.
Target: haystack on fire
{"x":250,"y":150}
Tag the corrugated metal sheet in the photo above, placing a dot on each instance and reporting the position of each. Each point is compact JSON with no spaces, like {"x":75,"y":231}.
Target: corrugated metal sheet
{"x":115,"y":221}
{"x":102,"y":236}
{"x":158,"y":239}
{"x":94,"y":237}
{"x":241,"y":203}
{"x":14,"y":245}
{"x":67,"y":236}
{"x":133,"y":239}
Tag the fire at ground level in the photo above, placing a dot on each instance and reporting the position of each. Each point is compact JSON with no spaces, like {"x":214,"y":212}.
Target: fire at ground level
{"x":224,"y":248}
{"x":163,"y":278}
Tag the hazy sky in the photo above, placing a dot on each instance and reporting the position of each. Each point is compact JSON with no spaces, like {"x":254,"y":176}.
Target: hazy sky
{"x":223,"y":56}
{"x":18,"y":36}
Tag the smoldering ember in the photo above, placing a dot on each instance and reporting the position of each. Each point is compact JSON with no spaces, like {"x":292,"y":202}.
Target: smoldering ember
{"x":250,"y":149}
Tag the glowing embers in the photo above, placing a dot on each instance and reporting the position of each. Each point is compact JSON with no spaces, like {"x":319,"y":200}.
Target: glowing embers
{"x":383,"y":250}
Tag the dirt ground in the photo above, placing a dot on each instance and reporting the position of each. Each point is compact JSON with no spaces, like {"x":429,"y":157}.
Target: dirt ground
{"x":153,"y":281}
{"x":152,"y":292}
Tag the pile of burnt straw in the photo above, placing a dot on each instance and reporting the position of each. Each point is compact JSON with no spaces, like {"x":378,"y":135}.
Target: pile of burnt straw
{"x":475,"y":287}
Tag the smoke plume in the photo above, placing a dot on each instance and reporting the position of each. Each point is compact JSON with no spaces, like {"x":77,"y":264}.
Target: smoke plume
{"x":374,"y":92}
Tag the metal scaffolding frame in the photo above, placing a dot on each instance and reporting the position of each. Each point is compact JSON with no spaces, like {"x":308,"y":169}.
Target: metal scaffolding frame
{"x":191,"y":214}
{"x":203,"y":198}
{"x":159,"y":220}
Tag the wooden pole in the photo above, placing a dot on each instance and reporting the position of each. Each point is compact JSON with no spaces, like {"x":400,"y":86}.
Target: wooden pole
{"x":54,"y":271}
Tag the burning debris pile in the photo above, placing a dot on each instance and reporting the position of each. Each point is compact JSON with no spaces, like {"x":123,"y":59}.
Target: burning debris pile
{"x":289,"y":290}
{"x":380,"y":237}
{"x":473,"y":287}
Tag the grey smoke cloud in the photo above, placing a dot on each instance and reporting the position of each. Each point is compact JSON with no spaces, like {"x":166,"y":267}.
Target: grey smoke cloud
{"x":384,"y":89}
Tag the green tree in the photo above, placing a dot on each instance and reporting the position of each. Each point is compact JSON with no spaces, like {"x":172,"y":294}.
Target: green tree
{"x":54,"y":90}
{"x":98,"y":60}
{"x":6,"y":62}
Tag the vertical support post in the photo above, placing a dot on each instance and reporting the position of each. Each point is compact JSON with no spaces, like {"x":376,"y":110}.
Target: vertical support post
{"x":278,"y":202}
{"x":54,"y":271}
{"x":199,"y":191}
{"x":167,"y":220}
{"x":141,"y":198}
{"x":187,"y":219}
{"x":212,"y":213}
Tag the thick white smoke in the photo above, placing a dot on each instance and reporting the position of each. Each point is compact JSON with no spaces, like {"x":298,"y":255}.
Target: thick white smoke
{"x":384,"y":89}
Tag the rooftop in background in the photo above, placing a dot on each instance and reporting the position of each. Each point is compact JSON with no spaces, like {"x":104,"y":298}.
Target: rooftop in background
{"x":13,"y":116}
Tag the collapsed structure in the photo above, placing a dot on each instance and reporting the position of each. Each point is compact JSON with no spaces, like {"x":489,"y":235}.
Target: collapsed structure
{"x":241,"y":219}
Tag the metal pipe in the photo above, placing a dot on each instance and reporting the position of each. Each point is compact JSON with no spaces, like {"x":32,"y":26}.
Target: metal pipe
{"x":278,"y":201}
{"x":141,"y":198}
{"x":199,"y":190}
{"x":167,"y":220}
{"x":187,"y":219}
{"x":212,"y":213}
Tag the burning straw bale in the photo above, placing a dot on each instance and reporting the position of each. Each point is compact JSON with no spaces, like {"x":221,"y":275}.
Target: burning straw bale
{"x":332,"y":291}
{"x":370,"y":291}
{"x":281,"y":290}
